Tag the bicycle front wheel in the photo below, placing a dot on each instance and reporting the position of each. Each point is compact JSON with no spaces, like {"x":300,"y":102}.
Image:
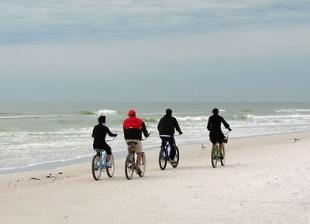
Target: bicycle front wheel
{"x":110,"y":169}
{"x":129,"y":167}
{"x":142,"y":165}
{"x":213,"y":157}
{"x":95,"y":167}
{"x":175,"y":162}
{"x":162,"y":159}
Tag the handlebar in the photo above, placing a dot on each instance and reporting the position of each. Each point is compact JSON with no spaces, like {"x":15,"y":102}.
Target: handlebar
{"x":110,"y":140}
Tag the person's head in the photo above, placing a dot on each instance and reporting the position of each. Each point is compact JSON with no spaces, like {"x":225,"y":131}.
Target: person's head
{"x":132,"y":113}
{"x":169,"y":112}
{"x":215,"y":111}
{"x":101,"y":119}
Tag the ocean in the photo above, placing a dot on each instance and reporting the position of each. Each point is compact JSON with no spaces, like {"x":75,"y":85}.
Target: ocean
{"x":40,"y":134}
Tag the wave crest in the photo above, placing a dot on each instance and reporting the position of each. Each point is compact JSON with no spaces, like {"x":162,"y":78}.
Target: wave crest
{"x":190,"y":118}
{"x":304,"y":110}
{"x":106,"y":112}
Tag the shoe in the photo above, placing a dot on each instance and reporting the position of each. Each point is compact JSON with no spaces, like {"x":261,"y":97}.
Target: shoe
{"x":138,"y":170}
{"x":109,"y":164}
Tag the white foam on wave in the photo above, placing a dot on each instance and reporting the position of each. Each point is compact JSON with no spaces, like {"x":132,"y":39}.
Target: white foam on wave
{"x":292,"y":110}
{"x":106,"y":112}
{"x":190,"y":118}
{"x":292,"y":116}
{"x":30,"y":116}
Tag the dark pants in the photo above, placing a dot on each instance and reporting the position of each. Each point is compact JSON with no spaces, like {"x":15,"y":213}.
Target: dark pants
{"x":106,"y":148}
{"x":216,"y":137}
{"x":171,"y":143}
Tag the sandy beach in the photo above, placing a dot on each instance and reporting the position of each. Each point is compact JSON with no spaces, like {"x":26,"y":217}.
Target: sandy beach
{"x":266,"y":180}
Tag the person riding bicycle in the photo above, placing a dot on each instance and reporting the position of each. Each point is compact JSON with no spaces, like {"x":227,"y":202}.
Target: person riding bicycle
{"x":133,"y":128}
{"x":167,"y":126}
{"x":214,"y":126}
{"x":100,"y":132}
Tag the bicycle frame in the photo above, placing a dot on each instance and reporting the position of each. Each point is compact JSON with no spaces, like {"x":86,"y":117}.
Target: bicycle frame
{"x":102,"y":162}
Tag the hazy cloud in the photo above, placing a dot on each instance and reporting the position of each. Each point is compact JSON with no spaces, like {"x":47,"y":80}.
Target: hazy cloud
{"x":57,"y":21}
{"x":80,"y":49}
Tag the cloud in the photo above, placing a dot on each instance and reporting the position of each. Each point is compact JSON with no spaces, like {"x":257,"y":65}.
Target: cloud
{"x":59,"y":21}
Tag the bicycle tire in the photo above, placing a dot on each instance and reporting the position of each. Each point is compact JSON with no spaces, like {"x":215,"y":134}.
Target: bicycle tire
{"x":175,"y":162}
{"x":213,"y":157}
{"x":162,"y":159}
{"x":95,"y":167}
{"x":110,"y":170}
{"x":129,"y":167}
{"x":142,"y":165}
{"x":223,"y":159}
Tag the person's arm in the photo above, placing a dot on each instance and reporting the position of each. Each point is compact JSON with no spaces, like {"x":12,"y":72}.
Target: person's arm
{"x":177,"y":127}
{"x":93,"y":134}
{"x":226,"y":125}
{"x":159,"y":126}
{"x":209,"y":124}
{"x":145,"y":132}
{"x":110,"y":133}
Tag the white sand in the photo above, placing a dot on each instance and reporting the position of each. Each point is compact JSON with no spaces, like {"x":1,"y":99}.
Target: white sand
{"x":266,"y":180}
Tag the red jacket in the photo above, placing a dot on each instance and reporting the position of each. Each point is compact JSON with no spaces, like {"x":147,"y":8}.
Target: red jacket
{"x":133,"y":128}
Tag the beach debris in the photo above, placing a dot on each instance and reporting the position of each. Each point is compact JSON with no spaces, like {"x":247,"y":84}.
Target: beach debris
{"x":49,"y":176}
{"x":60,"y":173}
{"x":34,"y":178}
{"x":296,"y":139}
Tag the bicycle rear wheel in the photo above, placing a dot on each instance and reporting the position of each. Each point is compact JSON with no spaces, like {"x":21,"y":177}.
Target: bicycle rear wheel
{"x":223,"y":158}
{"x":162,"y":159}
{"x":110,"y":170}
{"x":129,"y":166}
{"x":213,"y":156}
{"x":95,"y":167}
{"x":175,"y":162}
{"x":142,"y":165}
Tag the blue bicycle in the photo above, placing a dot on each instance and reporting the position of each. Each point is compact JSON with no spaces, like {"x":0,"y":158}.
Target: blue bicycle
{"x":100,"y":164}
{"x":164,"y":155}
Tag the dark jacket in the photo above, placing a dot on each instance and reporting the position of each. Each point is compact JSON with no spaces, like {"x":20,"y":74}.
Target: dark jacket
{"x":133,"y":128}
{"x":214,"y":123}
{"x":100,"y":131}
{"x":167,"y":124}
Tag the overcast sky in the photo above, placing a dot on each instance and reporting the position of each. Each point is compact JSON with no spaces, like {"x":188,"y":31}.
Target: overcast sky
{"x":155,"y":50}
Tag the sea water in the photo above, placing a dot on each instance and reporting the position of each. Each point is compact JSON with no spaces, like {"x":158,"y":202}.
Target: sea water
{"x":34,"y":134}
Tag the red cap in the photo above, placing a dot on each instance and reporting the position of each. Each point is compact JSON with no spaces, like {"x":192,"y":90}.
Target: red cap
{"x":132,"y":113}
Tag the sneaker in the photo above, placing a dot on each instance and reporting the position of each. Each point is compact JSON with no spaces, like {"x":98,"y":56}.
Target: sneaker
{"x":109,"y":164}
{"x":138,"y":170}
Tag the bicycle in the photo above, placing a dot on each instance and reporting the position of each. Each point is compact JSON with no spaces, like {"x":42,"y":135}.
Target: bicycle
{"x":130,"y":162}
{"x":217,"y":155}
{"x":164,"y":155}
{"x":99,"y":164}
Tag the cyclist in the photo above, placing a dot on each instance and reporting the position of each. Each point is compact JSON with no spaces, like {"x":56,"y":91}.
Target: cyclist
{"x":167,"y":126}
{"x":133,"y":128}
{"x":100,"y":132}
{"x":214,"y":126}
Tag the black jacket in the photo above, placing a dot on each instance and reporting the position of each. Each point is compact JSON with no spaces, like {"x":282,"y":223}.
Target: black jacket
{"x":214,"y":123}
{"x":100,"y":131}
{"x":167,"y":124}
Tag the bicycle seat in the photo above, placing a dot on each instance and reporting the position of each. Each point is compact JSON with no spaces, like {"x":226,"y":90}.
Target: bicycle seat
{"x":132,"y":143}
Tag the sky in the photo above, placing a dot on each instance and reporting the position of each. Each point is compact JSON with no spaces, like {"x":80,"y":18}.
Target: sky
{"x":155,"y":50}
